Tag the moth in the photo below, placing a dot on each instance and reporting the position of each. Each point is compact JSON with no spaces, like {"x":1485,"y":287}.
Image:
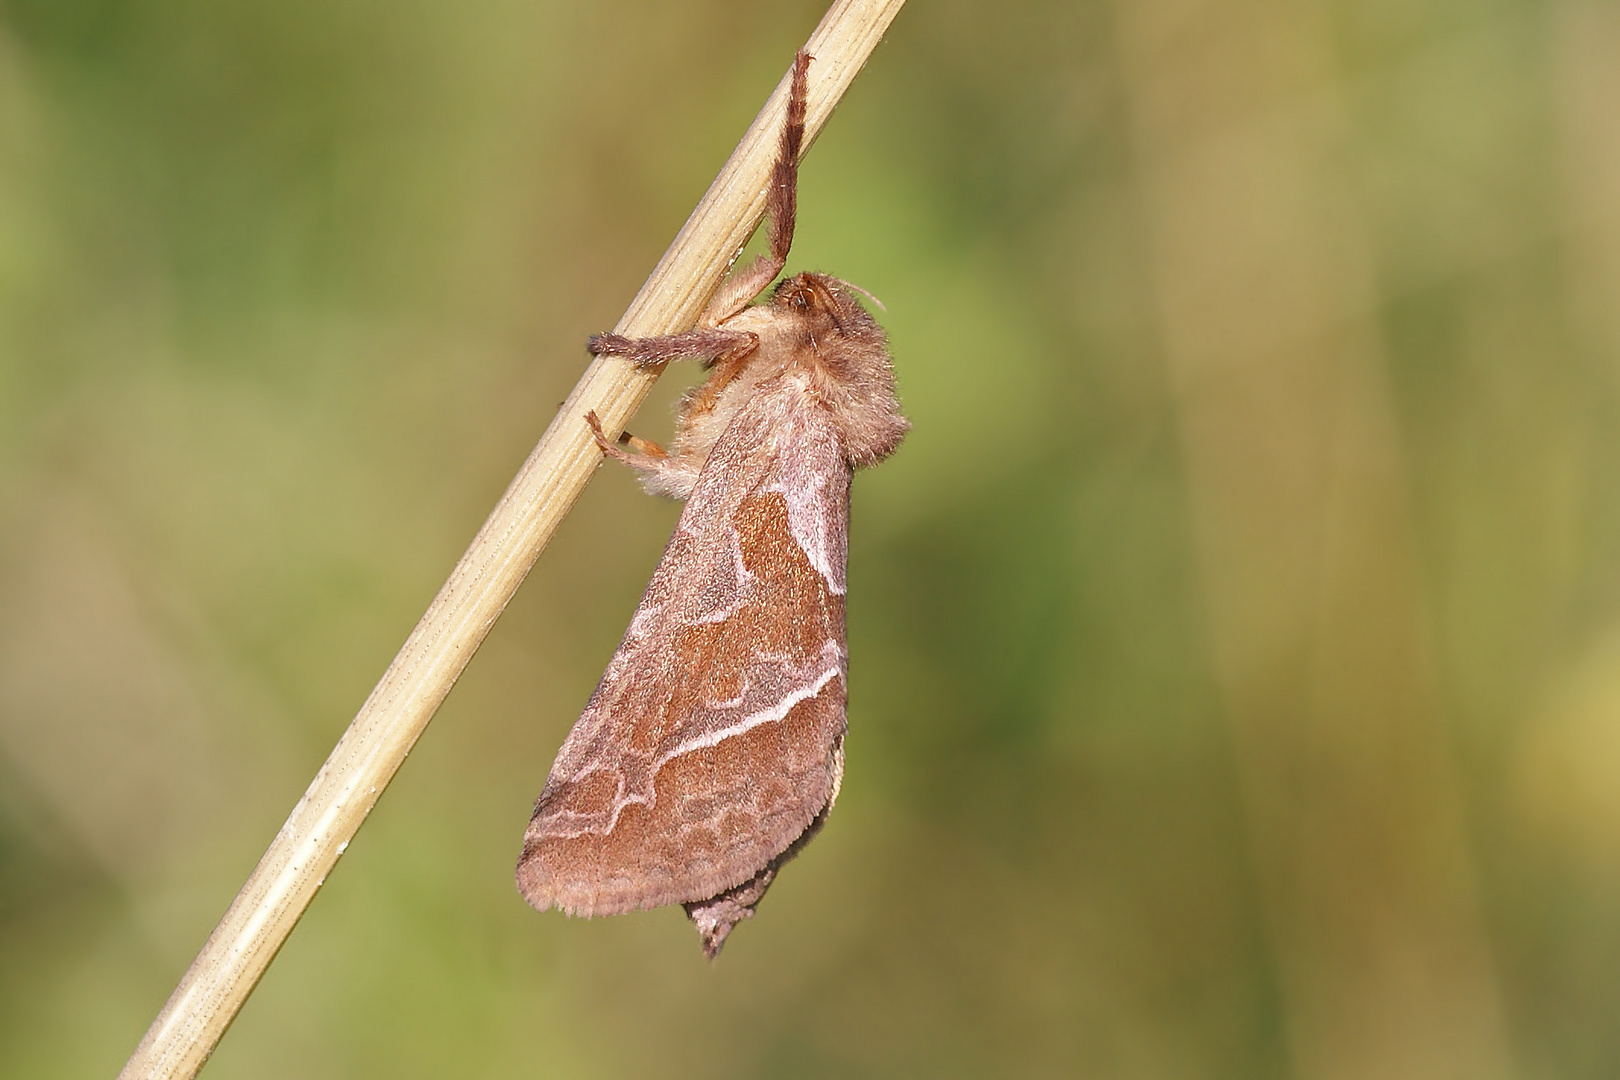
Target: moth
{"x":713,"y":747}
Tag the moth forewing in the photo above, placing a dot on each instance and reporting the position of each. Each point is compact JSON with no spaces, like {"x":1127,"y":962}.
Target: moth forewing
{"x":709,"y":746}
{"x":712,"y":748}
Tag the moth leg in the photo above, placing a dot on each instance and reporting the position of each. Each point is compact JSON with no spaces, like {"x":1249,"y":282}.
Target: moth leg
{"x":704,"y":396}
{"x":661,"y":472}
{"x":704,"y":343}
{"x":645,"y":453}
{"x":781,"y":204}
{"x":642,"y":446}
{"x":742,"y":286}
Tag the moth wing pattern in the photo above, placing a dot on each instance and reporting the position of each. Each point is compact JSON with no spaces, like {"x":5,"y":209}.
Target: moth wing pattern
{"x":714,"y":740}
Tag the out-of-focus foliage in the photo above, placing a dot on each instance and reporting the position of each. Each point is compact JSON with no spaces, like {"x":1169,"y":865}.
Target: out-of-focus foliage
{"x":1236,"y":639}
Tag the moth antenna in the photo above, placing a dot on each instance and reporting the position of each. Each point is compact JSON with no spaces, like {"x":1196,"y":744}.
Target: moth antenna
{"x":851,"y":285}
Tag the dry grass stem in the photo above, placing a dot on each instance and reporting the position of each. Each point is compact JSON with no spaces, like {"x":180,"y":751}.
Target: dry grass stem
{"x":264,"y":913}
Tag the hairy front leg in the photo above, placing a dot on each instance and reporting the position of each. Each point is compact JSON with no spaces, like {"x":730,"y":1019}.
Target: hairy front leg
{"x":699,"y":344}
{"x":781,"y":205}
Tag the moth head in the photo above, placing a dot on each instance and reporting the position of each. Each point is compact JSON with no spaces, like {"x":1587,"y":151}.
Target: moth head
{"x":845,"y":350}
{"x":824,"y":302}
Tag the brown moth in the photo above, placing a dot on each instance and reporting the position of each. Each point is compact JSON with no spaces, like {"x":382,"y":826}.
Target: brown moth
{"x":712,"y":749}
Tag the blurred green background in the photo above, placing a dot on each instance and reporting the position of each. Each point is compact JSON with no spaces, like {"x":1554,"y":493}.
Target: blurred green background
{"x":1236,"y":638}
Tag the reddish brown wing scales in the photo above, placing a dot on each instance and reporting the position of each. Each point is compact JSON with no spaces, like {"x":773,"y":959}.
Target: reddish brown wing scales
{"x":714,"y":738}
